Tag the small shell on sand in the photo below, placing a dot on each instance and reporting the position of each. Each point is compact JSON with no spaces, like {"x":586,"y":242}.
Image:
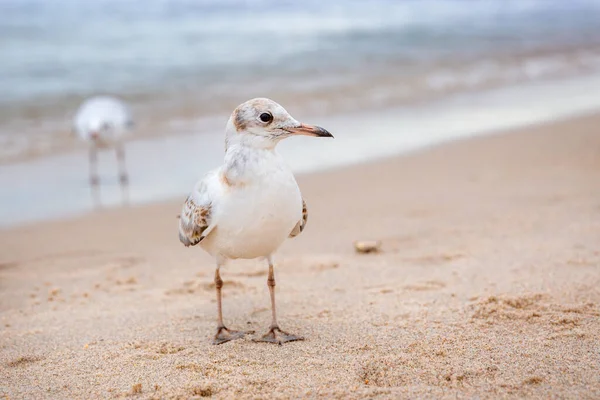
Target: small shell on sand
{"x":367,"y":246}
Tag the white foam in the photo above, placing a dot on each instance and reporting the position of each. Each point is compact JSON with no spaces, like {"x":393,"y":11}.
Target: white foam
{"x":168,"y":167}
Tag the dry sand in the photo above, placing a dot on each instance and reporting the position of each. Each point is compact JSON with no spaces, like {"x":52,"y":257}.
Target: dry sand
{"x":487,"y":285}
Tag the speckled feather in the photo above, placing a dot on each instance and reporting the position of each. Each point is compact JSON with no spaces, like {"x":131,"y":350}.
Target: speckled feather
{"x":302,"y":223}
{"x":195,"y":217}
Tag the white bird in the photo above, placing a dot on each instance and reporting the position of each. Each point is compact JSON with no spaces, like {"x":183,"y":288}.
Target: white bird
{"x":248,"y":207}
{"x":103,"y":122}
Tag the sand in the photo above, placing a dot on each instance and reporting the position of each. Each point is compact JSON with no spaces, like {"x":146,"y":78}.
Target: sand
{"x":487,"y":285}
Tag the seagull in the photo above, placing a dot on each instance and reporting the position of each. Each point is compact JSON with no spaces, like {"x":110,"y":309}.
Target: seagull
{"x":103,"y":121}
{"x":246,"y":208}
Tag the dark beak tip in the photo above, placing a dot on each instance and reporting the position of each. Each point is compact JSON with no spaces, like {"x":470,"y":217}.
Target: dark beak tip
{"x":324,"y":133}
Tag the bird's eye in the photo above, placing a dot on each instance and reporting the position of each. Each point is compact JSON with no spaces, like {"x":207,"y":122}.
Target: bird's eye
{"x":266,"y":117}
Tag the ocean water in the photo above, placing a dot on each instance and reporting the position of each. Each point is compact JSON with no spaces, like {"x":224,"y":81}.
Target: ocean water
{"x":184,"y":64}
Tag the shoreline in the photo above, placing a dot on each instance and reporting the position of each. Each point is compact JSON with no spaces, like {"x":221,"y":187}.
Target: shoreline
{"x":486,"y":286}
{"x":371,"y":135}
{"x":312,"y":174}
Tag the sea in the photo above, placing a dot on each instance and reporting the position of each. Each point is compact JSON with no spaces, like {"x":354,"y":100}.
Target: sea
{"x":383,"y":76}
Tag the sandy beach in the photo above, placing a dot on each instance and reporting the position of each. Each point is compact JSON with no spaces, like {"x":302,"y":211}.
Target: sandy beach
{"x":487,"y":286}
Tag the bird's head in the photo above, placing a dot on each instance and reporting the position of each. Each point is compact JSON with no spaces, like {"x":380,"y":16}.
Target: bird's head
{"x":262,"y":123}
{"x":98,"y":128}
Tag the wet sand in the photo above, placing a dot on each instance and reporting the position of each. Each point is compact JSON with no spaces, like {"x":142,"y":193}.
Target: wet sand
{"x":487,"y":285}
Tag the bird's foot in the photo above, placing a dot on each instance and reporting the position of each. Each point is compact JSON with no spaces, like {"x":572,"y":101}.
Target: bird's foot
{"x":225,"y":335}
{"x":276,"y":335}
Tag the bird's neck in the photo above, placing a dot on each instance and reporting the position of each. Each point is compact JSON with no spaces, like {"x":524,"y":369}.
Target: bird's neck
{"x":246,"y":164}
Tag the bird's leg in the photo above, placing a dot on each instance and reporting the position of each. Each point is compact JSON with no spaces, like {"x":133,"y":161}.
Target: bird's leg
{"x":94,"y":179}
{"x":275,"y":335}
{"x":223,"y":334}
{"x":123,"y":176}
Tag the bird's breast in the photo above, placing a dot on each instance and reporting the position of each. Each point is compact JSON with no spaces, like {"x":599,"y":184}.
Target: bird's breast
{"x":254,"y":219}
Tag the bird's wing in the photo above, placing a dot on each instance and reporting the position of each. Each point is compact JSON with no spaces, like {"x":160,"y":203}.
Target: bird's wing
{"x":302,"y":223}
{"x":195,"y":221}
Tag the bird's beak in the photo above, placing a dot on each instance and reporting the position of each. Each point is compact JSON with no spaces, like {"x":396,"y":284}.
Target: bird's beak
{"x":309,"y":130}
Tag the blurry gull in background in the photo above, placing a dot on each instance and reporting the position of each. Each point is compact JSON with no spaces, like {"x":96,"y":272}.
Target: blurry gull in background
{"x":103,"y":121}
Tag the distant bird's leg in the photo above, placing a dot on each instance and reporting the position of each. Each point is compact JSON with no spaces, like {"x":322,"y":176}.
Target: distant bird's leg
{"x":123,"y":176}
{"x":223,"y":334}
{"x":94,"y":179}
{"x":275,"y":335}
